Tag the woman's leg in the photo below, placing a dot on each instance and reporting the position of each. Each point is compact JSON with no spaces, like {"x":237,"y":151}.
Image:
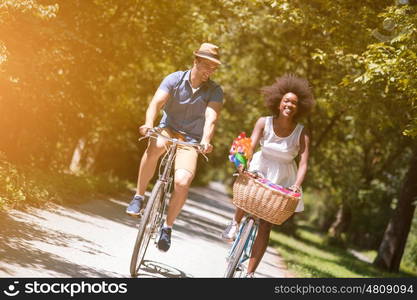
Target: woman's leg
{"x":239,"y":213}
{"x":259,"y":247}
{"x":230,"y":232}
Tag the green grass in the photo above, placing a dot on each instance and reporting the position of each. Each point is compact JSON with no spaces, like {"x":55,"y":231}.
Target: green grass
{"x":308,"y":255}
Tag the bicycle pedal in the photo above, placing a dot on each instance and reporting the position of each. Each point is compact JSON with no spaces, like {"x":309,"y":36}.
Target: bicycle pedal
{"x":140,"y":215}
{"x":157,"y":238}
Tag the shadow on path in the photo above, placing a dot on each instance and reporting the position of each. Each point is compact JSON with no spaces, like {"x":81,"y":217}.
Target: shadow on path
{"x":18,"y":240}
{"x":156,"y":269}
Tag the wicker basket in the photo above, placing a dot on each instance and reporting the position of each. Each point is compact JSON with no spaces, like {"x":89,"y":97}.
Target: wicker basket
{"x":261,"y":201}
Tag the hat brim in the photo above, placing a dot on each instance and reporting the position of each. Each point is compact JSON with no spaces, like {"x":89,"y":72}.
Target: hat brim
{"x":208,"y":57}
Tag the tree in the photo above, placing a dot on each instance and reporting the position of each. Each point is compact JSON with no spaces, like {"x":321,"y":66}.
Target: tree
{"x":393,"y":63}
{"x":393,"y":243}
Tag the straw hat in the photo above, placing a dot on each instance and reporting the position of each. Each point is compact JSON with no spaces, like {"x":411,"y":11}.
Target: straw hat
{"x":208,"y":51}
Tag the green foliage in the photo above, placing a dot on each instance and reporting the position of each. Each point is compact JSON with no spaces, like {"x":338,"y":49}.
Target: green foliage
{"x":20,"y":187}
{"x":84,"y":71}
{"x":17,"y":189}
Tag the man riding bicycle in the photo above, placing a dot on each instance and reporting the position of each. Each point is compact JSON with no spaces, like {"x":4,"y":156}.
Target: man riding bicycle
{"x":191,"y":105}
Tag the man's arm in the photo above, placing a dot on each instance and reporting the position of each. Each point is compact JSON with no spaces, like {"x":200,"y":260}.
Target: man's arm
{"x":212,"y":114}
{"x":158,"y":101}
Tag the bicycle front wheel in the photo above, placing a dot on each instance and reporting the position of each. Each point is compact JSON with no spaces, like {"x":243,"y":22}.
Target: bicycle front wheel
{"x":236,"y":254}
{"x":146,"y":227}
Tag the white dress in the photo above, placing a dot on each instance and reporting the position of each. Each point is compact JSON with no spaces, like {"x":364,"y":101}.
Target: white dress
{"x":276,"y":159}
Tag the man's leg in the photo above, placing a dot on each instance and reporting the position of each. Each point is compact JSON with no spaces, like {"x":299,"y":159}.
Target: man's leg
{"x":182,"y":182}
{"x":148,"y":164}
{"x":146,"y":170}
{"x":185,"y":165}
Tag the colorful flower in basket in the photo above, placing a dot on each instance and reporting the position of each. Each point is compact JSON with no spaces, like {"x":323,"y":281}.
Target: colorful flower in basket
{"x":277,"y":187}
{"x":241,"y":151}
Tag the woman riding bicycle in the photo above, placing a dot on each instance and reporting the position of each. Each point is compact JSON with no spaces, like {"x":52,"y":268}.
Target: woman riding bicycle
{"x":282,"y":139}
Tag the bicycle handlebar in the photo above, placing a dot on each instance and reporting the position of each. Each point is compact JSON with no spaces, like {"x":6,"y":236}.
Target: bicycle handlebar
{"x":155,"y":132}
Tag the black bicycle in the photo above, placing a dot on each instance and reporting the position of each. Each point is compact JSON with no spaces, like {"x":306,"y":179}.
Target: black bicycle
{"x":151,"y":220}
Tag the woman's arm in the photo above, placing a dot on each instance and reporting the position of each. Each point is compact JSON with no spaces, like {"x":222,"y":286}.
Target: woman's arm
{"x":257,"y":133}
{"x":304,"y":153}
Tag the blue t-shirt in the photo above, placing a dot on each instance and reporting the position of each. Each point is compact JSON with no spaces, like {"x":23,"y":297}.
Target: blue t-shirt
{"x":185,"y":112}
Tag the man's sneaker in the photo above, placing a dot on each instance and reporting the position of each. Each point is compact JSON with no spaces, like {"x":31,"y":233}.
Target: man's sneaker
{"x":229,"y":234}
{"x":135,"y":206}
{"x":250,"y":275}
{"x":165,"y":239}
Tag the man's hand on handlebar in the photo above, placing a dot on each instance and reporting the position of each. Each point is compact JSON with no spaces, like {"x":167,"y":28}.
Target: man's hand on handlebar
{"x":206,"y":147}
{"x":144,"y":129}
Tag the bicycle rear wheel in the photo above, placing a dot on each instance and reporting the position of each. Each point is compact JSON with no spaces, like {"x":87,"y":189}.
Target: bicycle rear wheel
{"x":146,"y":227}
{"x":236,"y":254}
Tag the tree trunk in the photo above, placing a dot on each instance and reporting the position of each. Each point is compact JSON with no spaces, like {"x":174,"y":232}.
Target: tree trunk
{"x":395,"y":237}
{"x":91,"y":155}
{"x":75,"y":164}
{"x":342,"y":222}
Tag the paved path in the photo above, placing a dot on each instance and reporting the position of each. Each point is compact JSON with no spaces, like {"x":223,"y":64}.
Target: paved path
{"x":95,"y":239}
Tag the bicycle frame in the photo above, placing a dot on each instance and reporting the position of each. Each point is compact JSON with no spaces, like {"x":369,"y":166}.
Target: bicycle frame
{"x":165,"y":177}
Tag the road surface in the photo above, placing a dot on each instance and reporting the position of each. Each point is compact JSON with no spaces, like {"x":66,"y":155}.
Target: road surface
{"x":95,"y":239}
